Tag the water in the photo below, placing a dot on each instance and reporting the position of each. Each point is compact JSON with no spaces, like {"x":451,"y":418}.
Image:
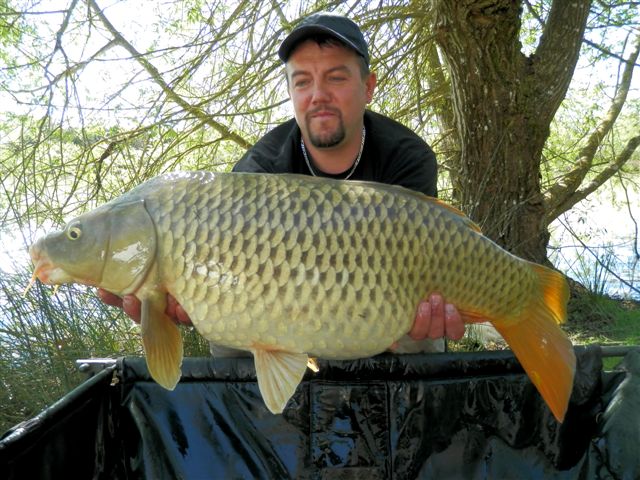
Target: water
{"x":597,"y":243}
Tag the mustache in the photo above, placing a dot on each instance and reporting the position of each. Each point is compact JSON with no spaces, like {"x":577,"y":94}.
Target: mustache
{"x":317,"y":110}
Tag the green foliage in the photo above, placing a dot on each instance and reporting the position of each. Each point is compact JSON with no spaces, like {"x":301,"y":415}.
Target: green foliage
{"x":594,"y":272}
{"x":42,"y":334}
{"x":11,"y":26}
{"x":41,"y":337}
{"x":600,"y":319}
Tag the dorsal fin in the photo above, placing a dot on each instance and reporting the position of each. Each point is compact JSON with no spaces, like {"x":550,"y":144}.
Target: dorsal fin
{"x":450,"y":208}
{"x":400,"y":190}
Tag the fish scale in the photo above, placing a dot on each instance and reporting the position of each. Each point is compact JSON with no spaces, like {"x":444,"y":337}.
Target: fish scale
{"x":288,"y":266}
{"x":385,"y":279}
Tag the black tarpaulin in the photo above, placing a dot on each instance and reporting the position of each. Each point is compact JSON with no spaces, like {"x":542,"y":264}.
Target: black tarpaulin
{"x":451,"y":415}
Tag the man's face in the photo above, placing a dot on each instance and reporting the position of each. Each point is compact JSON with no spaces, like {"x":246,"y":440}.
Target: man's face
{"x":328,"y":93}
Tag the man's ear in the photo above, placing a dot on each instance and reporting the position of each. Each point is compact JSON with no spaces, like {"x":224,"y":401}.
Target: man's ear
{"x":370,"y":84}
{"x":286,"y":77}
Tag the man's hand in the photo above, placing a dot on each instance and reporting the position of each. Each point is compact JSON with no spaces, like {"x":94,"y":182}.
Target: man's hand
{"x":434,"y":317}
{"x":132,"y":306}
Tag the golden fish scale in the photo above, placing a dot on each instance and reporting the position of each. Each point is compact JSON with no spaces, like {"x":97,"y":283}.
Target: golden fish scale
{"x":335,"y":269}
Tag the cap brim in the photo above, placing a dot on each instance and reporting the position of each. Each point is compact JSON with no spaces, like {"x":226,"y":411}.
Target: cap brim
{"x":304,"y":32}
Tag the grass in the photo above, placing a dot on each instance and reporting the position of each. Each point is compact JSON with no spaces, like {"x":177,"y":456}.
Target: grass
{"x":602,"y":320}
{"x":42,"y":335}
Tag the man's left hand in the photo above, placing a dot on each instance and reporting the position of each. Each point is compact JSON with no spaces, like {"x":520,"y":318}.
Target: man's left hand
{"x":436,"y":319}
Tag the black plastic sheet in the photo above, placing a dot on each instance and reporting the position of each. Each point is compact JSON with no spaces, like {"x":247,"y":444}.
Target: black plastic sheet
{"x":451,"y":415}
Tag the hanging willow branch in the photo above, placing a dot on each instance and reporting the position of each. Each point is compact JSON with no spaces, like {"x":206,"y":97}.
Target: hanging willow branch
{"x":569,"y":190}
{"x":167,"y":90}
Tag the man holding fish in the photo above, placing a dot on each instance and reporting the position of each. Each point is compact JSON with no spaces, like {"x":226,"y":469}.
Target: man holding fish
{"x":333,"y":135}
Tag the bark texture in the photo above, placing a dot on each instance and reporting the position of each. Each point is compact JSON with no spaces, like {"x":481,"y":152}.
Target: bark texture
{"x":503,"y":104}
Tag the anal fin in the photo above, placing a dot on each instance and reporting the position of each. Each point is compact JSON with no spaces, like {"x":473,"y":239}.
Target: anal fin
{"x":162,"y":342}
{"x":279,"y":374}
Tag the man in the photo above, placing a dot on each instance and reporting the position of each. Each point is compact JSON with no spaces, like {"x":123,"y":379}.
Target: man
{"x":333,"y":135}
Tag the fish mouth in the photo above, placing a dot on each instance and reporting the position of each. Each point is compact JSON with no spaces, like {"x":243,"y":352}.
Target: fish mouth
{"x":45,"y":270}
{"x":42,"y":265}
{"x":47,"y":273}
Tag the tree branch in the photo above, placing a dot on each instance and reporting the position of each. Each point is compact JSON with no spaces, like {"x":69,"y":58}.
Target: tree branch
{"x":555,"y":58}
{"x":634,"y":244}
{"x":534,"y":14}
{"x":606,"y":51}
{"x":610,"y":170}
{"x":598,"y":259}
{"x":566,"y":193}
{"x":166,"y":89}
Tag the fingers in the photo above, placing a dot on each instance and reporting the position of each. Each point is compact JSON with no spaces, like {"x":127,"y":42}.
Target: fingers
{"x":176,"y":312}
{"x":422,"y":323}
{"x":436,"y":319}
{"x":437,"y":329}
{"x":129,"y":303}
{"x":172,"y":304}
{"x":132,"y":307}
{"x":453,"y":323}
{"x":429,"y":322}
{"x":182,"y":316}
{"x":109,"y":298}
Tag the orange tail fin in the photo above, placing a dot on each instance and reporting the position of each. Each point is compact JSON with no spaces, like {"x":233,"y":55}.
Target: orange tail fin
{"x":543,"y":349}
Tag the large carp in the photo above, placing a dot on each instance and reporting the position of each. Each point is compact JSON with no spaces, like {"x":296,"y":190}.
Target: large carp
{"x":288,"y":267}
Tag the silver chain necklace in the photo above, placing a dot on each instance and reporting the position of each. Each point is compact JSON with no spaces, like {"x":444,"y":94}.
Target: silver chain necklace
{"x":355,"y":164}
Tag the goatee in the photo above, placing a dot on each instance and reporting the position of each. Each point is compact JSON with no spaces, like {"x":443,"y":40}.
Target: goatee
{"x":326,"y":139}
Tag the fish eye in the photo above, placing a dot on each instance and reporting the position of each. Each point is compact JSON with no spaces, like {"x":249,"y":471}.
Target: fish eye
{"x":74,"y":232}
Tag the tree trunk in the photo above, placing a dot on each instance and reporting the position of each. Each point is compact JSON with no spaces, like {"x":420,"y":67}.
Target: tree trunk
{"x":503,"y":103}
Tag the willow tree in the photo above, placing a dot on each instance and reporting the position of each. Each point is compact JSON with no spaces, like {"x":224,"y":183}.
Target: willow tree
{"x":503,"y":103}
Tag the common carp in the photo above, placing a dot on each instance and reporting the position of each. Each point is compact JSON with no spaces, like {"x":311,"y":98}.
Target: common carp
{"x":291,"y":267}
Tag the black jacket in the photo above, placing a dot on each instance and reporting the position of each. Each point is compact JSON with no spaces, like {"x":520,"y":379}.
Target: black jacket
{"x":392,"y":154}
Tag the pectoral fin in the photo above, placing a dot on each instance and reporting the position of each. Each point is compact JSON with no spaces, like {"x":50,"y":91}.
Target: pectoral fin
{"x":162,"y":342}
{"x":279,"y":374}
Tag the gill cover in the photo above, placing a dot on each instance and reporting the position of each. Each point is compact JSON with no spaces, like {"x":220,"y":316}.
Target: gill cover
{"x":131,"y":248}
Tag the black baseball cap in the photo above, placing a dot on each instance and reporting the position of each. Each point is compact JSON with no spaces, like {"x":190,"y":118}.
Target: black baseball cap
{"x":337,"y":26}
